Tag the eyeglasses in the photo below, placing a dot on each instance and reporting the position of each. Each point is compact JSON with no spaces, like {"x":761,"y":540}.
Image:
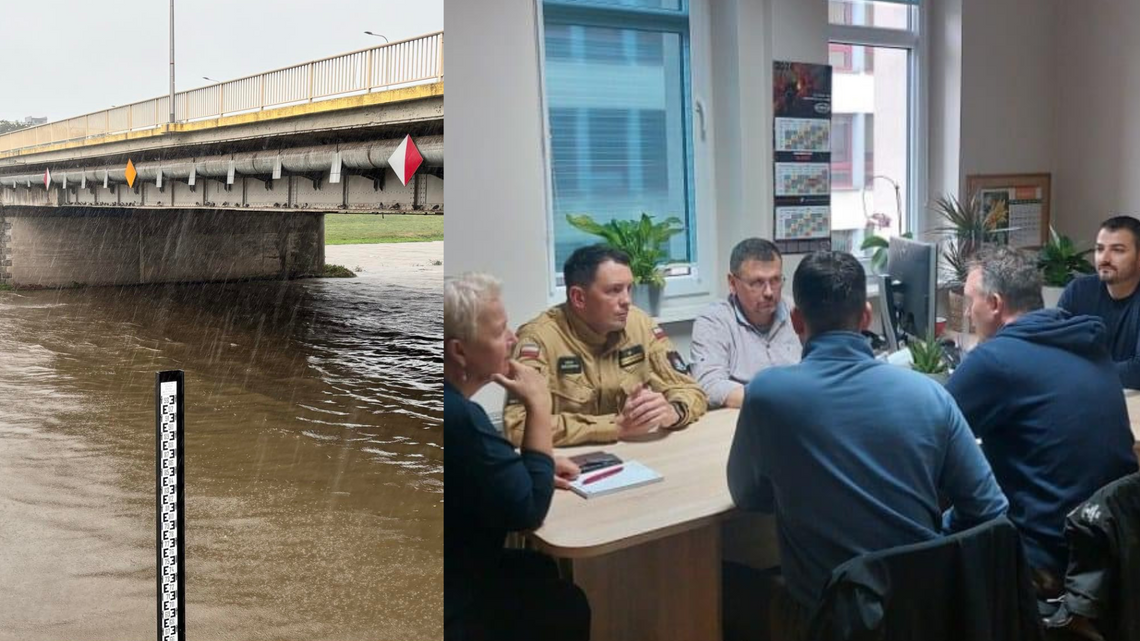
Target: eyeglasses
{"x":757,"y":285}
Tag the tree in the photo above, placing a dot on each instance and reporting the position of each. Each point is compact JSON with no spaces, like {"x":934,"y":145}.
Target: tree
{"x":10,"y":125}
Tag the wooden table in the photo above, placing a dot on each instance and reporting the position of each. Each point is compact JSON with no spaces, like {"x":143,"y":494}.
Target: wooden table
{"x":649,"y":559}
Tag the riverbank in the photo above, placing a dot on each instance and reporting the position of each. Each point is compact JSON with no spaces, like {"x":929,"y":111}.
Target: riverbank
{"x":358,"y":229}
{"x":406,"y":264}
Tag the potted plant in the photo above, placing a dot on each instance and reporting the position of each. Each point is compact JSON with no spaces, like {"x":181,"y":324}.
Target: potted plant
{"x":1060,"y":262}
{"x":967,"y":229}
{"x":882,"y":250}
{"x":645,"y":241}
{"x":928,"y":358}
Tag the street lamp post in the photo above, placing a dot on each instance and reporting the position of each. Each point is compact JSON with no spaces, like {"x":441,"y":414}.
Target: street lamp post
{"x":172,"y":62}
{"x":369,"y":33}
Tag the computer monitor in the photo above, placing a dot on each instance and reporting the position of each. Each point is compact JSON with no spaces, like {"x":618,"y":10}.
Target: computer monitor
{"x":911,"y":289}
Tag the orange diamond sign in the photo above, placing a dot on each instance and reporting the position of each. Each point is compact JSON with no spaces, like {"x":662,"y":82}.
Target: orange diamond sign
{"x":131,"y":174}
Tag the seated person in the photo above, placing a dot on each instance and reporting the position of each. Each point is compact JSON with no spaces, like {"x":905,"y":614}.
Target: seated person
{"x":611,"y":370}
{"x":1043,"y":394}
{"x":1111,"y":293}
{"x":850,"y":453}
{"x":734,"y":339}
{"x":491,"y":593}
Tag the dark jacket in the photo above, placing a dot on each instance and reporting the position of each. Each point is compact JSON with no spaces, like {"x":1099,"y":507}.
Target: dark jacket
{"x":972,"y":585}
{"x":1044,"y":397}
{"x":489,"y":490}
{"x":1087,"y":295}
{"x":1103,"y":579}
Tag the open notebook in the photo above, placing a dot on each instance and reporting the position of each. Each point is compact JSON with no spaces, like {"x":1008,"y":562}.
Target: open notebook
{"x":632,"y":474}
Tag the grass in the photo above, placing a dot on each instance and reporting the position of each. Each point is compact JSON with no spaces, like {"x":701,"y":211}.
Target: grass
{"x":337,"y":271}
{"x":360,"y":229}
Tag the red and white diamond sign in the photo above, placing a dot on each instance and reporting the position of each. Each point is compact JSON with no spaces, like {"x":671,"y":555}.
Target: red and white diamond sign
{"x":47,"y":178}
{"x":405,"y":160}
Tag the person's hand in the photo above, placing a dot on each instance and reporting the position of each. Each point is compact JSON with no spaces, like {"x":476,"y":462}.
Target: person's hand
{"x":528,"y":385}
{"x":565,"y":471}
{"x":645,"y":411}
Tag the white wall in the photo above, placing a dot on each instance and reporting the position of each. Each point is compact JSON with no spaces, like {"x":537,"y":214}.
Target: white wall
{"x":991,"y":90}
{"x":944,"y":86}
{"x":496,"y":174}
{"x":1096,"y":90}
{"x":1008,"y":62}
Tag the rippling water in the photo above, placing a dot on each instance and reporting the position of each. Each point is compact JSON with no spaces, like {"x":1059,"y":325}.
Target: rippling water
{"x":313,"y":457}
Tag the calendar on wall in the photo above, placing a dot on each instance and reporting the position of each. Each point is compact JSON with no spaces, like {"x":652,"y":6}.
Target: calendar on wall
{"x":801,"y":141}
{"x":1020,"y":200}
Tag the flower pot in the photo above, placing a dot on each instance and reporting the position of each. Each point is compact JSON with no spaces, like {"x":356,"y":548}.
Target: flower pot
{"x":647,"y":298}
{"x":1051,"y":295}
{"x":956,"y":318}
{"x":940,"y":378}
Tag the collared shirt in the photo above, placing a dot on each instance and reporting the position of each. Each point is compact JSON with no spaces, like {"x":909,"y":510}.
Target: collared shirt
{"x":590,"y":375}
{"x":847,"y":472}
{"x":728,"y":350}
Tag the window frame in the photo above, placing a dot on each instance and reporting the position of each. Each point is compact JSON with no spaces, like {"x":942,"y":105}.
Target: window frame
{"x":914,"y":41}
{"x":689,"y":285}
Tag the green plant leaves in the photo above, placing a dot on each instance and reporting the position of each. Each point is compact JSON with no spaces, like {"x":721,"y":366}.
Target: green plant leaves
{"x":927,"y":355}
{"x":644,"y":240}
{"x":1060,"y":261}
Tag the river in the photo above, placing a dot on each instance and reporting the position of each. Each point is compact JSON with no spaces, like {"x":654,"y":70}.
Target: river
{"x":313,"y":454}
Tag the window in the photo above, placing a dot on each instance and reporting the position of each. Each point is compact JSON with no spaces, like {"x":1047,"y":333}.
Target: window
{"x":874,"y":54}
{"x":617,"y":78}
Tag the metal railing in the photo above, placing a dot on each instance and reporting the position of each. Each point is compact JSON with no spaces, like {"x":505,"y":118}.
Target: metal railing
{"x":405,"y":62}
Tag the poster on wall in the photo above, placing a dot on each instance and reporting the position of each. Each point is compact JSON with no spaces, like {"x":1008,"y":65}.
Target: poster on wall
{"x":801,"y":149}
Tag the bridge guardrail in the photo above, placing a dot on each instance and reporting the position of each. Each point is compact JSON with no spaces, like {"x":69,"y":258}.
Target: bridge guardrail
{"x":400,"y":63}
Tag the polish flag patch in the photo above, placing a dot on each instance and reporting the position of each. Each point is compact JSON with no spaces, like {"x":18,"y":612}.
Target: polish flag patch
{"x":528,"y":350}
{"x":405,"y":160}
{"x":658,"y":332}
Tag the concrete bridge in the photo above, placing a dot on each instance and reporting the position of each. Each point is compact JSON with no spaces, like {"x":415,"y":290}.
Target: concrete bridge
{"x":236,"y":187}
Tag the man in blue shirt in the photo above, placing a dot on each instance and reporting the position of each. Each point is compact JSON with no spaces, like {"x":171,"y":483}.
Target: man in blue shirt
{"x":1043,"y":394}
{"x":851,"y":453}
{"x":1111,"y":293}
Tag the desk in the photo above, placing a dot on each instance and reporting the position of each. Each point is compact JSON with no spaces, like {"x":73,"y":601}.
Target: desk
{"x":649,"y":558}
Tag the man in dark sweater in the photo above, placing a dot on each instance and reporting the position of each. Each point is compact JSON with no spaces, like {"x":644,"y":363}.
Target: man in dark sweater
{"x":1111,"y":293}
{"x":1042,"y":394}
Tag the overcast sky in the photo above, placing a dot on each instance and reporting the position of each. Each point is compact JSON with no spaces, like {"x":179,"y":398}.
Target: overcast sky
{"x":64,"y":58}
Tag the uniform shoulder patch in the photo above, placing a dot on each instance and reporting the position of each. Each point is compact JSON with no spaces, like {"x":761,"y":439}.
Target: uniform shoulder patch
{"x":658,"y":333}
{"x":528,"y":350}
{"x":677,"y":362}
{"x":631,"y":356}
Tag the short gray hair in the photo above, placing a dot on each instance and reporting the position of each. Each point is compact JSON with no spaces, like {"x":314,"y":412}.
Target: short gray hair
{"x":464,"y":298}
{"x":753,"y":249}
{"x":1011,"y":274}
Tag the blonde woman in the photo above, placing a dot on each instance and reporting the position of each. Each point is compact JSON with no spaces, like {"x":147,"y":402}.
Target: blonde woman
{"x":491,"y":592}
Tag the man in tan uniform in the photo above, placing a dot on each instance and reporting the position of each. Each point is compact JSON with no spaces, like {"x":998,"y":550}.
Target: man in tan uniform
{"x":612,"y":372}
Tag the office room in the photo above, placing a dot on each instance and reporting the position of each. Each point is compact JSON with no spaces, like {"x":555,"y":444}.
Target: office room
{"x":813,"y":126}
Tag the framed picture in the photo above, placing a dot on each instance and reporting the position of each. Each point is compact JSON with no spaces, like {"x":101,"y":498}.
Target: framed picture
{"x":1025,"y":200}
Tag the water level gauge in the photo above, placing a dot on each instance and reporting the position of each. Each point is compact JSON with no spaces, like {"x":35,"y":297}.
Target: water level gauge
{"x":169,"y":420}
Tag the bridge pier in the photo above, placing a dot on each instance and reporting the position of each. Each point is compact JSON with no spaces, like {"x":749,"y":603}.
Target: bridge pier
{"x":76,"y":245}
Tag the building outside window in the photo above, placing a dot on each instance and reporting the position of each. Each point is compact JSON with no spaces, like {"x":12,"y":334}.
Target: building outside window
{"x":618,"y":89}
{"x":874,"y":54}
